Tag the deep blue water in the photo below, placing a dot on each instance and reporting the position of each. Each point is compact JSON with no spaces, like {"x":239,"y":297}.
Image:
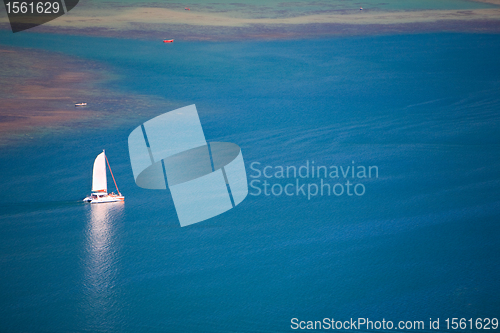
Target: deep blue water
{"x":421,"y":243}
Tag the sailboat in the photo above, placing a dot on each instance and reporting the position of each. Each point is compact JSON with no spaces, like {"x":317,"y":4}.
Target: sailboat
{"x":100,"y":183}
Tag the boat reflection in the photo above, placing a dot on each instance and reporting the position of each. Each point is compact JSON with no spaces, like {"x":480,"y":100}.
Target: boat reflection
{"x":101,"y":263}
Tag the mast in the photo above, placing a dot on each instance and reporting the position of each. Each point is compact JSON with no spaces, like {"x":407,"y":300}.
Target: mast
{"x":117,"y":190}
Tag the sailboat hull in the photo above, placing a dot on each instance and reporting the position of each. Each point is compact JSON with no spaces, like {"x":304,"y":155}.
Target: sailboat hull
{"x":93,"y":199}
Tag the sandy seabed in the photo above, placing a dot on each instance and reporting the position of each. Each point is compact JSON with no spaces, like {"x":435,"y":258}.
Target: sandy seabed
{"x":39,"y":90}
{"x":144,"y":22}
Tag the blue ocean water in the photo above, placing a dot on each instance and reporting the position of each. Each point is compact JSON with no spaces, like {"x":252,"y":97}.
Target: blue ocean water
{"x":422,"y":242}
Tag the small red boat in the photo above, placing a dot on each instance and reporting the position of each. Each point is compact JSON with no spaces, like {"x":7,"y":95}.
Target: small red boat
{"x":168,"y":41}
{"x":187,"y":8}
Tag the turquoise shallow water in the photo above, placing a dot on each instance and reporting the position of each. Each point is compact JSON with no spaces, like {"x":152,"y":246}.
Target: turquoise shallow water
{"x":279,"y":8}
{"x":422,"y":242}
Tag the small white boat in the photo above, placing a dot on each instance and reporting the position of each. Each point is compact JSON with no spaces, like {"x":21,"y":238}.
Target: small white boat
{"x":81,"y":104}
{"x":100,"y":183}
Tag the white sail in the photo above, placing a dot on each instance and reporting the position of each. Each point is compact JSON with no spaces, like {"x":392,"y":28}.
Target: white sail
{"x":99,"y":181}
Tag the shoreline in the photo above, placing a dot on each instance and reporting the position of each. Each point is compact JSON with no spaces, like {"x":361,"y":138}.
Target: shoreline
{"x":154,"y":23}
{"x":150,"y":16}
{"x":282,"y":32}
